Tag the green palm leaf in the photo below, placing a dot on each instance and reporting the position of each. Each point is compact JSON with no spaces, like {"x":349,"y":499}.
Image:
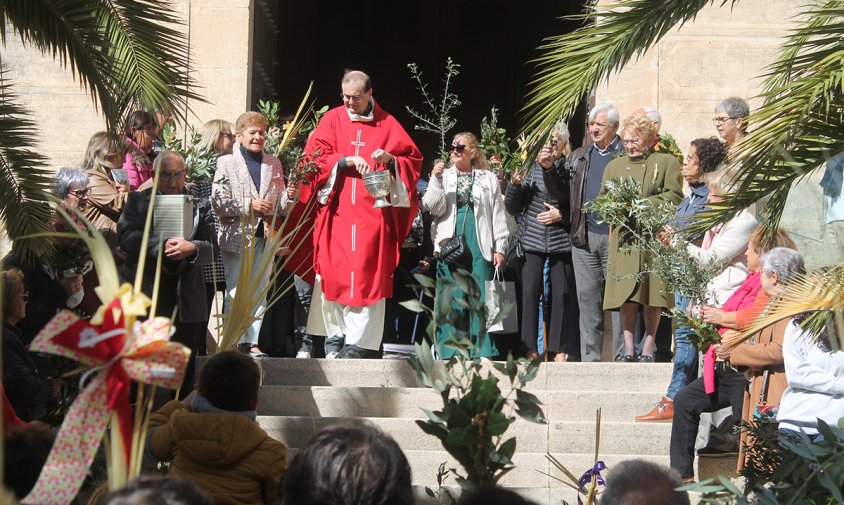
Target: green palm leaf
{"x":127,"y":53}
{"x":22,"y":180}
{"x":574,"y":63}
{"x":798,"y":128}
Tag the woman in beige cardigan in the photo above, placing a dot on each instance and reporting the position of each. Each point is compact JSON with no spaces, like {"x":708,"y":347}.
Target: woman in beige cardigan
{"x":248,"y":188}
{"x":107,"y":197}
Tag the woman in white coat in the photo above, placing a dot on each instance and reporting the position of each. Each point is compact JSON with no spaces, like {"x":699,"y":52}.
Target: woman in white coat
{"x":465,"y":198}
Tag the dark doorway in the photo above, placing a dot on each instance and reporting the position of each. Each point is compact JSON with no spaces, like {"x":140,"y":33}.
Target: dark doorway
{"x":297,"y":41}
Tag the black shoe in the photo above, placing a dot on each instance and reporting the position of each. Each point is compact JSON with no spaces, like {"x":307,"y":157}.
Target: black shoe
{"x":646,"y":359}
{"x":627,"y":358}
{"x":355,"y":352}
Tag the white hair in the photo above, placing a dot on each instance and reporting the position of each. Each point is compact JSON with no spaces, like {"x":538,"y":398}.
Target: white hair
{"x":612,"y":113}
{"x":783,"y":261}
{"x":66,"y":178}
{"x":652,"y":114}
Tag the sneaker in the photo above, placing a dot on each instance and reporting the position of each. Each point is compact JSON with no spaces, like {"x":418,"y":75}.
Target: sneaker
{"x":303,"y":355}
{"x":332,"y":355}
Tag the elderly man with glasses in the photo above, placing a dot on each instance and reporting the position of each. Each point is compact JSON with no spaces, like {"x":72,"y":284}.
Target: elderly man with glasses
{"x":182,"y":284}
{"x":590,"y":237}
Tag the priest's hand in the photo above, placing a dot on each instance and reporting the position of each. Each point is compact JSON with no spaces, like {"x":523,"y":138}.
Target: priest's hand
{"x":498,"y":260}
{"x":359,"y":164}
{"x":437,"y":171}
{"x":382,"y":156}
{"x":177,"y":248}
{"x":262,"y":207}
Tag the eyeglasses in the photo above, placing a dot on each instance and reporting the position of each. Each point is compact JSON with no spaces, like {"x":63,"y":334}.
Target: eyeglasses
{"x":25,"y":296}
{"x":631,"y":142}
{"x":722,"y":119}
{"x":170,"y":177}
{"x":352,"y":98}
{"x":691,"y":159}
{"x":599,"y":125}
{"x":458,"y":148}
{"x":80,"y":193}
{"x":229,"y":136}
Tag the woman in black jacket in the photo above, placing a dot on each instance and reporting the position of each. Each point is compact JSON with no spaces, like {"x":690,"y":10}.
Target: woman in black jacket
{"x":29,"y":393}
{"x":543,"y":233}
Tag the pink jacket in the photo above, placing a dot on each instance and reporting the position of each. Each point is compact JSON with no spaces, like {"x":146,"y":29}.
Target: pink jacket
{"x":743,"y":297}
{"x":139,"y":171}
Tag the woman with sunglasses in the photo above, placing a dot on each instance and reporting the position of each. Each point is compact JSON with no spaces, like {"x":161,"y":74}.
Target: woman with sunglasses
{"x":465,"y":198}
{"x":628,"y":285}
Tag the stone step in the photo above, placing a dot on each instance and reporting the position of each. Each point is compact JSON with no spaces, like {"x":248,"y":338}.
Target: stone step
{"x":533,"y":470}
{"x":639,"y":377}
{"x":577,"y":437}
{"x":357,"y":401}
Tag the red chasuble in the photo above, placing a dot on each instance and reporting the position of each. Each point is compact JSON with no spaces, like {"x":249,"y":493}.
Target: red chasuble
{"x":355,"y":246}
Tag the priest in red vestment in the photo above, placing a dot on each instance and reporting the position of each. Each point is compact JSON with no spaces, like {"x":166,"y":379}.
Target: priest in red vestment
{"x":356,"y":246}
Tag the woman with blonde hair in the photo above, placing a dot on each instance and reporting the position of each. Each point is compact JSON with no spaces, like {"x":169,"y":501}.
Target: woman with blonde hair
{"x":215,"y":136}
{"x":107,"y":197}
{"x":465,"y":199}
{"x":627,"y":284}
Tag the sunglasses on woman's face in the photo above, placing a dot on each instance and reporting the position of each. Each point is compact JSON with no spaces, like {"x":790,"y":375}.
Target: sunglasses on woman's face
{"x":458,"y":148}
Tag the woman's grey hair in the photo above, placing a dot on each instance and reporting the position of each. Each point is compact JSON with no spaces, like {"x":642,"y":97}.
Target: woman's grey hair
{"x":637,"y":481}
{"x":734,"y":107}
{"x":66,"y":178}
{"x":612,"y":113}
{"x":784,"y":262}
{"x":561,"y":132}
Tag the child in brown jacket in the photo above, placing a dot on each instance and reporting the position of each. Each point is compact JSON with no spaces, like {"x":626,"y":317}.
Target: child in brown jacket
{"x":213,"y":439}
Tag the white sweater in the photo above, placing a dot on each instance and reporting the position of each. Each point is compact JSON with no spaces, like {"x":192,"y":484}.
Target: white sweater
{"x":815,"y":383}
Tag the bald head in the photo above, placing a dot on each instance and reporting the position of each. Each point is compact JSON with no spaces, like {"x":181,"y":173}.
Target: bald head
{"x":357,"y":78}
{"x":171,"y":166}
{"x":356,"y":91}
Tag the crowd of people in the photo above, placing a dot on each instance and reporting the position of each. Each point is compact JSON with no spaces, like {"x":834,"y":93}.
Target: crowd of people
{"x":349,"y":271}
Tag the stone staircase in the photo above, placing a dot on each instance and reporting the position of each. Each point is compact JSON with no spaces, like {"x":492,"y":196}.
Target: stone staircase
{"x":300,"y":396}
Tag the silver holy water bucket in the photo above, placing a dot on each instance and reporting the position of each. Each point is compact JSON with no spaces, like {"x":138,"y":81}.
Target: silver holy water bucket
{"x":378,"y":185}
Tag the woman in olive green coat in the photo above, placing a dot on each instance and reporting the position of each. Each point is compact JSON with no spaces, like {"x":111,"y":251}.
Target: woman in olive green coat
{"x":660,"y":177}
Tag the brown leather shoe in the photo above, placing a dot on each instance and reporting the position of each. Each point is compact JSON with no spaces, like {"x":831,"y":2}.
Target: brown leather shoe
{"x":664,"y":411}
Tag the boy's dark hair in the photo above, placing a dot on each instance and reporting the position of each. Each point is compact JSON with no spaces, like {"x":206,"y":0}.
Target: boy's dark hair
{"x":156,"y":490}
{"x":349,"y":463}
{"x":230,"y":381}
{"x":26,"y":452}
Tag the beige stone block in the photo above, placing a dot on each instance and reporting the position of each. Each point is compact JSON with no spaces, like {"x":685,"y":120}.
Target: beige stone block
{"x":220,"y":37}
{"x":225,"y":91}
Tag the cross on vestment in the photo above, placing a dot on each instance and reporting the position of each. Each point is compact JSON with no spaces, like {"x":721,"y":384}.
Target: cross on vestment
{"x":357,"y":143}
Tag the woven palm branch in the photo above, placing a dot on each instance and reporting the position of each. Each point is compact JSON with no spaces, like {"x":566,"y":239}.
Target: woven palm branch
{"x":820,"y":293}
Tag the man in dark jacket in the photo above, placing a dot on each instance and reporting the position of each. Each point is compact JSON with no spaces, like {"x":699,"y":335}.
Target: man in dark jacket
{"x":182,"y":284}
{"x":590,"y":237}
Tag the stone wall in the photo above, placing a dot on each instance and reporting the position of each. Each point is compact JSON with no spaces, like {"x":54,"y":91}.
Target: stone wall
{"x":721,"y":53}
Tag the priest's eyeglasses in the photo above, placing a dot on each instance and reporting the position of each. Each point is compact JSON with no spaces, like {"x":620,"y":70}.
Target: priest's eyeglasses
{"x":458,"y":148}
{"x":351,"y":98}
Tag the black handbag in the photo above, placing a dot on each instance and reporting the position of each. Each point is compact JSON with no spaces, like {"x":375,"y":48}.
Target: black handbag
{"x":515,"y":255}
{"x":454,"y":251}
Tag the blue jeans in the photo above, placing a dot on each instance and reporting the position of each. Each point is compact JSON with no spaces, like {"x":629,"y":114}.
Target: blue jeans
{"x":685,"y":356}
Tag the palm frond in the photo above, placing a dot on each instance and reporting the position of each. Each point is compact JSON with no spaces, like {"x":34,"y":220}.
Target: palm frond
{"x":798,"y":128}
{"x":127,"y":53}
{"x":574,"y":63}
{"x":820,"y":293}
{"x":24,"y":185}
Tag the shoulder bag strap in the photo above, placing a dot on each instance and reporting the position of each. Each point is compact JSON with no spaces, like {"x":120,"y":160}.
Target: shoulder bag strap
{"x":763,"y":394}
